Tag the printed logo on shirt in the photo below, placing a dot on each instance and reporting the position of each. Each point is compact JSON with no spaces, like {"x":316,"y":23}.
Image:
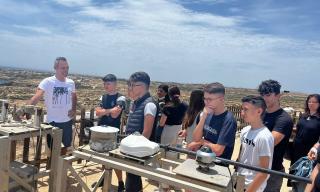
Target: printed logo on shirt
{"x":210,"y":130}
{"x":248,"y":141}
{"x":60,"y":96}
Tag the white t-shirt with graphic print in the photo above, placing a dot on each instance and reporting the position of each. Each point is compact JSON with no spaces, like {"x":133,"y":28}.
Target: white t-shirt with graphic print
{"x":58,"y":98}
{"x":255,"y":143}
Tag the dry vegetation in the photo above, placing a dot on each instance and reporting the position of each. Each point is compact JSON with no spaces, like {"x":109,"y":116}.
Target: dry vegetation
{"x":22,"y":85}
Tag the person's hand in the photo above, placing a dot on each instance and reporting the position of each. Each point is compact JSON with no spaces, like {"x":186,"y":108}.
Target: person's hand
{"x":312,"y":155}
{"x":182,"y":133}
{"x":71,"y":113}
{"x":207,"y":110}
{"x":116,"y":109}
{"x":207,"y":143}
{"x":193,"y":146}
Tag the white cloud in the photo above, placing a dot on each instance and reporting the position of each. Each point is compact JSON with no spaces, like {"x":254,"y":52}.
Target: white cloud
{"x":202,"y":1}
{"x":72,"y":3}
{"x":33,"y":29}
{"x":154,"y":13}
{"x":168,"y":41}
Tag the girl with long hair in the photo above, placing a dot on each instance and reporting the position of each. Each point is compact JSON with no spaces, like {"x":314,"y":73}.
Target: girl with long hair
{"x":172,"y":116}
{"x":196,"y":105}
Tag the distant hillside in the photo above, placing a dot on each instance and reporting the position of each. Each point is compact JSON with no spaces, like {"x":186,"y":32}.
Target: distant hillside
{"x":23,"y":83}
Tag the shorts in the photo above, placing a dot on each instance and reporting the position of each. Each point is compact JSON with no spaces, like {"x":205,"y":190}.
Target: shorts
{"x":66,"y":133}
{"x":274,"y":183}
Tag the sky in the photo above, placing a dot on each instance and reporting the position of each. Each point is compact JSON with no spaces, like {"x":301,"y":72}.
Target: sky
{"x":236,"y":42}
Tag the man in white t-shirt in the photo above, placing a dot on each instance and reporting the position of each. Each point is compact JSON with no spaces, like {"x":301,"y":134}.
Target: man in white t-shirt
{"x":256,"y":143}
{"x":60,"y":100}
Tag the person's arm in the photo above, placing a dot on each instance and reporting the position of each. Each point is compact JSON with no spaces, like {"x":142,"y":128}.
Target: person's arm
{"x":277,"y":137}
{"x":148,"y":125}
{"x":182,"y":133}
{"x":150,"y":112}
{"x":313,"y":151}
{"x":238,"y":157}
{"x":226,"y":136}
{"x":315,"y":172}
{"x":260,"y":177}
{"x":163,"y":120}
{"x":101,"y":111}
{"x":72,"y":112}
{"x":282,"y":127}
{"x":36,"y":98}
{"x":197,"y":140}
{"x":216,"y":148}
{"x":198,"y":131}
{"x":115,"y":111}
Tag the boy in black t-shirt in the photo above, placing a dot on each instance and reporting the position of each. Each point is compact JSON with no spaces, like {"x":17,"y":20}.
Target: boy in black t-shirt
{"x":280,"y":124}
{"x":109,"y":111}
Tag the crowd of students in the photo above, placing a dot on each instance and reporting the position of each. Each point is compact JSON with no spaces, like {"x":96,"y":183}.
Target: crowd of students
{"x":204,"y":121}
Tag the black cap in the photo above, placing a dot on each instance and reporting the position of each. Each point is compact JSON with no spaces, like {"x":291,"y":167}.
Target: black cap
{"x":110,"y":78}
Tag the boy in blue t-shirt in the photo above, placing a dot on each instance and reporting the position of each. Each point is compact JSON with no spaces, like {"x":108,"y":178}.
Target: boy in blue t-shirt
{"x":217,"y":126}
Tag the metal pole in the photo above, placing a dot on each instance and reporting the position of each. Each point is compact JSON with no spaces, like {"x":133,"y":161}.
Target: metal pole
{"x":37,"y":117}
{"x":235,"y":163}
{"x":4,"y":109}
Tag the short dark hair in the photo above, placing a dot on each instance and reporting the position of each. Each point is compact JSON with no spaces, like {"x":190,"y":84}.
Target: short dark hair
{"x":109,"y":78}
{"x":174,"y":94}
{"x":140,"y":76}
{"x":214,"y":88}
{"x":269,"y":86}
{"x":164,"y":87}
{"x":257,"y":101}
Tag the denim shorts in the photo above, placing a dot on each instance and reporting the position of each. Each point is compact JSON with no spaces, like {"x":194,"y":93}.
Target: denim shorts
{"x":66,"y":133}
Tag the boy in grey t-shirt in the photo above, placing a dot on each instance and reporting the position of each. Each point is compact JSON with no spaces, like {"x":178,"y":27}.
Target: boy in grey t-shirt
{"x":256,"y":143}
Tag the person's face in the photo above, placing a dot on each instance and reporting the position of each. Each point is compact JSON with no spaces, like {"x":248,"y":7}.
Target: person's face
{"x":135,"y":89}
{"x":212,"y":101}
{"x":62,"y":69}
{"x":313,"y":104}
{"x":109,"y":86}
{"x":250,"y":113}
{"x":271,"y":99}
{"x":161,"y":93}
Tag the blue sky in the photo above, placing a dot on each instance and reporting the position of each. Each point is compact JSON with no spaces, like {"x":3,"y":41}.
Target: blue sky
{"x":236,"y":42}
